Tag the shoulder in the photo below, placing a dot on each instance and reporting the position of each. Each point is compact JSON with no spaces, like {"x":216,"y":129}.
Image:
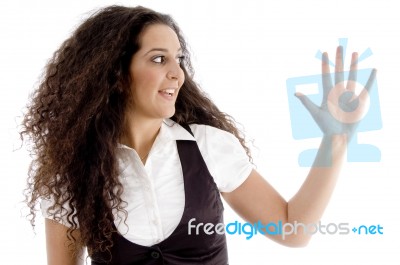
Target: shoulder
{"x":209,"y":133}
{"x":224,"y":155}
{"x":214,"y":141}
{"x":201,"y":132}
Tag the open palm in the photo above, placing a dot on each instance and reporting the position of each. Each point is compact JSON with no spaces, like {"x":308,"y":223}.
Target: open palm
{"x":341,"y":109}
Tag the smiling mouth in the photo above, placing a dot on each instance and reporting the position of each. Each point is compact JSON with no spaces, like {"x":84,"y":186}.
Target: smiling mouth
{"x":168,"y":92}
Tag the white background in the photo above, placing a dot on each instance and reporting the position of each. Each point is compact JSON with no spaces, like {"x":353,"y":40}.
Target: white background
{"x":243,"y":53}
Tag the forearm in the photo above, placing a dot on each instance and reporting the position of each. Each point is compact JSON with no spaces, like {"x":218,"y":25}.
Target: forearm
{"x":309,"y":203}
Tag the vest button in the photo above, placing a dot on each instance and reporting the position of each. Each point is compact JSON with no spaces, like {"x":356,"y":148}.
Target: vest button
{"x":155,"y":255}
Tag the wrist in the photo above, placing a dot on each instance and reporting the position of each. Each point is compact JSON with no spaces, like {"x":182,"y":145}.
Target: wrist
{"x":331,"y":150}
{"x":336,"y":139}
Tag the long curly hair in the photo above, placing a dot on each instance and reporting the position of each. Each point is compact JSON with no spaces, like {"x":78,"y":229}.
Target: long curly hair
{"x":75,"y":119}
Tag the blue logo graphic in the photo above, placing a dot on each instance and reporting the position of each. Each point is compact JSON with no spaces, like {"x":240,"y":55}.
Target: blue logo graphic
{"x":304,"y":127}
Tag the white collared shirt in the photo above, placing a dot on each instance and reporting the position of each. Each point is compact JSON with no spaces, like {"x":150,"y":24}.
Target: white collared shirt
{"x":154,"y":192}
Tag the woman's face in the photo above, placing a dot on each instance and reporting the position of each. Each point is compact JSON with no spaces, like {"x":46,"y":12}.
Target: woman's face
{"x":155,"y":72}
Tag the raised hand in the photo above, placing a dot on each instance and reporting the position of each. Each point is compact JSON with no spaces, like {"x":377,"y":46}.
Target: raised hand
{"x":341,"y":109}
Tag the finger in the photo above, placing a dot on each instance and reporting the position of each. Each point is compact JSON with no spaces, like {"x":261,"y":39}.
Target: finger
{"x":310,"y":106}
{"x":339,"y":65}
{"x":364,"y":93}
{"x":370,"y":81}
{"x":326,"y":76}
{"x":351,"y":83}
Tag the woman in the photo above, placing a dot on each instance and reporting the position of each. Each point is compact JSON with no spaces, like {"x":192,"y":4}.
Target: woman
{"x":129,"y":150}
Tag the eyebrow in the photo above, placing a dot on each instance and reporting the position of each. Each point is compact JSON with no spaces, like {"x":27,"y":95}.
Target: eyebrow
{"x":160,"y":50}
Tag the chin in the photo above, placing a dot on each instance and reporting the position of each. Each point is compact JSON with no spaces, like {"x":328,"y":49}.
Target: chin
{"x":169,"y":114}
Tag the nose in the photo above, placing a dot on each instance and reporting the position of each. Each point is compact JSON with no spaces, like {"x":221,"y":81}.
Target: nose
{"x":175,"y":72}
{"x":172,"y":75}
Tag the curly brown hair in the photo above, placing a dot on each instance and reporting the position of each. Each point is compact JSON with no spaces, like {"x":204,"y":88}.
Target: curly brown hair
{"x":75,"y":119}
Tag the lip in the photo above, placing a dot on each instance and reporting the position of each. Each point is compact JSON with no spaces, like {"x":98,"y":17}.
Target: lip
{"x":168,"y":93}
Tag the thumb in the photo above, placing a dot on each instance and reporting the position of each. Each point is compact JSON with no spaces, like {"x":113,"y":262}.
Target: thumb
{"x":308,"y":104}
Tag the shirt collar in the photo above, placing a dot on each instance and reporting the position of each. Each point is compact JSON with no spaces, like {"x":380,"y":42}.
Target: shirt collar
{"x":169,"y":131}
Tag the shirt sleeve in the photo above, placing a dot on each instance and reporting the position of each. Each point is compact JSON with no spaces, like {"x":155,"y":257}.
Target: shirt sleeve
{"x":46,"y":206}
{"x":225,"y":157}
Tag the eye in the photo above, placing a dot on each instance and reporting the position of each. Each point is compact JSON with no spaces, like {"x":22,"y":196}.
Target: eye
{"x":180,"y":59}
{"x":159,"y":59}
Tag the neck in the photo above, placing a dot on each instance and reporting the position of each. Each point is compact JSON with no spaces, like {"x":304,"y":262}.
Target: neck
{"x":140,"y":134}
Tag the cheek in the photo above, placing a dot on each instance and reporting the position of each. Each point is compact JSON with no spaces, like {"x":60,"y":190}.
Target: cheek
{"x":145,"y":81}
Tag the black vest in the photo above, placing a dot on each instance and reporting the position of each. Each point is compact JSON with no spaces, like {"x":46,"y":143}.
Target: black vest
{"x":203,"y":202}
